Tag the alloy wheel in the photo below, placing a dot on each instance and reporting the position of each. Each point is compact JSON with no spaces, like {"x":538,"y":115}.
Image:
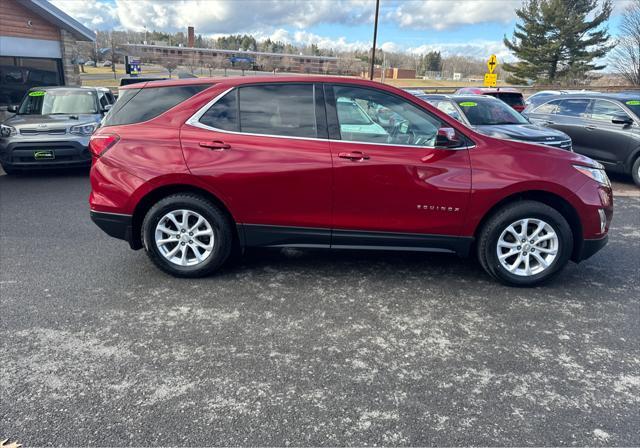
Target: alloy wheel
{"x":527,"y":247}
{"x":184,"y":237}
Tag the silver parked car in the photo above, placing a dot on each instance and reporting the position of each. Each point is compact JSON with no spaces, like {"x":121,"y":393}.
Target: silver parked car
{"x":51,"y":127}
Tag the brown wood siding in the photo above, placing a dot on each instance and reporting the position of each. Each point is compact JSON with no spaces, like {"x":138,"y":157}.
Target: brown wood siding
{"x":14,"y":22}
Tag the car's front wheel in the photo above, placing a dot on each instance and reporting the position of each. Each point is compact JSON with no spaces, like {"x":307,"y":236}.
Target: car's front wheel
{"x":525,"y":243}
{"x":635,"y":171}
{"x":186,"y":235}
{"x":8,"y":169}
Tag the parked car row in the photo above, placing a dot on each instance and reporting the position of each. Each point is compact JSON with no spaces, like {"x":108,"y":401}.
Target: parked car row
{"x":491,"y":116}
{"x":605,"y":127}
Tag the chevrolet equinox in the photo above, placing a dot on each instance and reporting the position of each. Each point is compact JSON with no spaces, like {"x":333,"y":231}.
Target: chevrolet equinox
{"x":191,"y":169}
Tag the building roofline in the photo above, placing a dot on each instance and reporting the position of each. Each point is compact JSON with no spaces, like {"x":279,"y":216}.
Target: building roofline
{"x":236,"y":52}
{"x":56,"y":16}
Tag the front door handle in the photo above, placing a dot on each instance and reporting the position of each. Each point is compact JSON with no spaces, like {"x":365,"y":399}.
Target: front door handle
{"x":354,"y":156}
{"x":549,"y":122}
{"x":590,"y":127}
{"x":215,"y":145}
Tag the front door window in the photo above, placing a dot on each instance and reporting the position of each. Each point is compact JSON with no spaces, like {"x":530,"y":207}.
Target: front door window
{"x":371,"y":116}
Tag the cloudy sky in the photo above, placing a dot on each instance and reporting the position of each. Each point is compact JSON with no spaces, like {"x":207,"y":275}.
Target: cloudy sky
{"x":469,"y":27}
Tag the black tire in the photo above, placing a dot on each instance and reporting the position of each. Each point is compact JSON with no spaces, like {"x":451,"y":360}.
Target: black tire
{"x":509,"y":214}
{"x":222,"y":231}
{"x":8,"y":170}
{"x":635,"y":171}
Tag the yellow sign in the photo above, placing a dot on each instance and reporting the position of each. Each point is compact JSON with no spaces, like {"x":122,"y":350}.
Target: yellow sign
{"x":490,"y":79}
{"x":492,"y":63}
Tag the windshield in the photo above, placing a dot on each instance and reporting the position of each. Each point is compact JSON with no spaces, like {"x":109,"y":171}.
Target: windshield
{"x":483,"y":112}
{"x":634,"y":105}
{"x":350,"y":113}
{"x":52,"y":102}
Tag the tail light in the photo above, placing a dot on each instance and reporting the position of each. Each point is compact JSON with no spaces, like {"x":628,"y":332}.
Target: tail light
{"x":99,"y":144}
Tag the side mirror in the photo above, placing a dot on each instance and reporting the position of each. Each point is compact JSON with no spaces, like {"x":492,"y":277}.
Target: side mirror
{"x":13,"y":108}
{"x":622,"y":119}
{"x":447,"y":138}
{"x":107,"y":108}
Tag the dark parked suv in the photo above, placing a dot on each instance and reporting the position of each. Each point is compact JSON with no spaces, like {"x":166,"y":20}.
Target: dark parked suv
{"x":605,"y":127}
{"x":189,"y":169}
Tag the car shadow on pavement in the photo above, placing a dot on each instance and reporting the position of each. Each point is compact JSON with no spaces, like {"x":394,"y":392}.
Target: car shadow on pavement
{"x":48,"y":172}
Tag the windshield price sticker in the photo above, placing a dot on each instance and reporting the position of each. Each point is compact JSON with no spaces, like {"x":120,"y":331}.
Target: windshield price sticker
{"x":468,"y":104}
{"x":37,"y":93}
{"x":633,"y":103}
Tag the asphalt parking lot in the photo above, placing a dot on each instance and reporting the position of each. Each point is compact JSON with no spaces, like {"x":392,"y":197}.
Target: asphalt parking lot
{"x":304,"y":347}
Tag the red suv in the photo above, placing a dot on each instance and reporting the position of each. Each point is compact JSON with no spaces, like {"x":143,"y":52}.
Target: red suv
{"x":190,"y":169}
{"x":509,"y":95}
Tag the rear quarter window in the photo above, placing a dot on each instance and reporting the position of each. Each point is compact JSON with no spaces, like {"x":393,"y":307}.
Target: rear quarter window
{"x":138,"y":105}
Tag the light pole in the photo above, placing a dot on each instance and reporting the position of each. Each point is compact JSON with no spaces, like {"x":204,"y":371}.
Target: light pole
{"x":375,"y":37}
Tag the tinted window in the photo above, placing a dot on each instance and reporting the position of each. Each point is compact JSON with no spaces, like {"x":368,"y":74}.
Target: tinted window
{"x":138,"y":105}
{"x":512,"y":99}
{"x":606,"y":110}
{"x":548,"y":108}
{"x":103,"y":100}
{"x":285,"y":109}
{"x":573,"y":108}
{"x":223,"y":114}
{"x":387,"y":118}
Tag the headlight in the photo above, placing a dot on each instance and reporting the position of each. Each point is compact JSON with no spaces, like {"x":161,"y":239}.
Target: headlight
{"x":7,"y":131}
{"x":596,"y":174}
{"x":83,"y":129}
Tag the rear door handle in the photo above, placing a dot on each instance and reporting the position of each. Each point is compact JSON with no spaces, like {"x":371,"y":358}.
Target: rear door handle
{"x":215,"y":144}
{"x":549,"y":122}
{"x":590,"y":127}
{"x":354,"y":156}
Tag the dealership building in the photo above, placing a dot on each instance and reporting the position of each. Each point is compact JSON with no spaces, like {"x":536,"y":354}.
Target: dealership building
{"x":38,"y":46}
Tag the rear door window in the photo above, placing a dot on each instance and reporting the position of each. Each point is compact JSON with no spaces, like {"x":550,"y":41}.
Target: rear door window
{"x":279,"y":109}
{"x":548,"y":108}
{"x":573,"y":108}
{"x":138,"y":105}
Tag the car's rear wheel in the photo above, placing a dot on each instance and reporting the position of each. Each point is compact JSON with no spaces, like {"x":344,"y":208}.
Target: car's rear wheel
{"x":186,"y":235}
{"x":635,"y":171}
{"x":525,"y":243}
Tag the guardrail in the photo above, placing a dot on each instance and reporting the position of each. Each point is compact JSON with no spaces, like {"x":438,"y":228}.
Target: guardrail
{"x":527,"y":90}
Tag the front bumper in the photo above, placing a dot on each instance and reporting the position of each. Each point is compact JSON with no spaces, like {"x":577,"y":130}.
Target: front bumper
{"x":590,"y":247}
{"x":68,"y":153}
{"x":113,"y":224}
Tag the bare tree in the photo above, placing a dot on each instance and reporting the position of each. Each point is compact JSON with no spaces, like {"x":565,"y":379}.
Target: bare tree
{"x":170,"y":65}
{"x":625,"y":57}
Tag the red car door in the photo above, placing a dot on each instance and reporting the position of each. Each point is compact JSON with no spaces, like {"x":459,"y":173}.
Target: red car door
{"x":389,"y":179}
{"x":262,"y":150}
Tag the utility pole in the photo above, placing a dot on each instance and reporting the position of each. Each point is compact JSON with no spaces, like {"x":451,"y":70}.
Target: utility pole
{"x":113,"y":56}
{"x":375,"y":37}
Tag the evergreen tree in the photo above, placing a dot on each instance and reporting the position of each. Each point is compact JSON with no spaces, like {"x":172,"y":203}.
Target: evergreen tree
{"x":558,"y":39}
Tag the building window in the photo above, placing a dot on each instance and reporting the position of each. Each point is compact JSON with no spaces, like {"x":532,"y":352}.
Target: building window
{"x":17,"y":75}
